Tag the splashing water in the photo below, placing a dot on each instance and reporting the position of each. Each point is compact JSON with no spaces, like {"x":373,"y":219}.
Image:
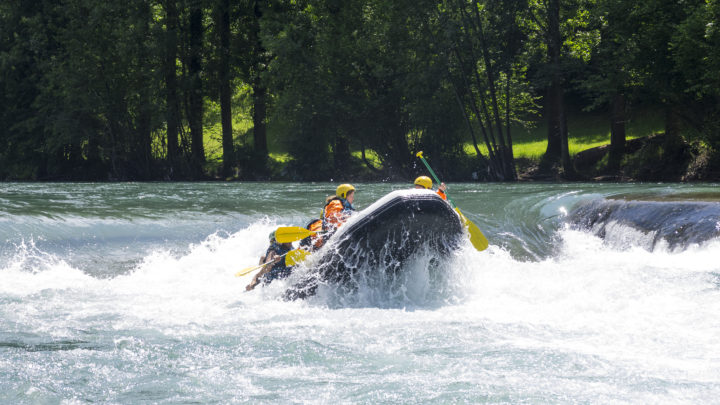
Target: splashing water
{"x":108,"y":297}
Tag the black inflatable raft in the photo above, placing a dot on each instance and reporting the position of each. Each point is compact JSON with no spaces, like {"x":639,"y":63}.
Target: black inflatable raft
{"x":383,"y":236}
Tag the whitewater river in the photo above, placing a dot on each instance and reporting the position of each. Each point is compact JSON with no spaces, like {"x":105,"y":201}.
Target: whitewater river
{"x":125,"y":293}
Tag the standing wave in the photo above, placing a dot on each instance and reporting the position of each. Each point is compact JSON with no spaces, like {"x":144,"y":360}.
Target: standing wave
{"x":650,"y":224}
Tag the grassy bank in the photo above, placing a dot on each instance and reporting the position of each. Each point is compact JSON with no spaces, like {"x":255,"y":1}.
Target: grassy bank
{"x":586,"y":130}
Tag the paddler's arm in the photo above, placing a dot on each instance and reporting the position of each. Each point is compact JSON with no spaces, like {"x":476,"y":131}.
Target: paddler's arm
{"x":256,"y":280}
{"x":272,"y":259}
{"x":441,"y":191}
{"x":264,"y":258}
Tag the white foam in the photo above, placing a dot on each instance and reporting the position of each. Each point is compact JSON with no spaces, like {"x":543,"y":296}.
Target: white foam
{"x":632,"y":305}
{"x":164,"y":289}
{"x":644,"y":313}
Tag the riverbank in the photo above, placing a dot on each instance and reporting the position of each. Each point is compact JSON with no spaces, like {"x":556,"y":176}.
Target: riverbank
{"x":645,"y":159}
{"x":652,"y":157}
{"x":649,"y":158}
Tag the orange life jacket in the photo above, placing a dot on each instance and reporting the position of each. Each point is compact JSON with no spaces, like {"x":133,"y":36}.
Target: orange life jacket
{"x":335,"y":213}
{"x":316,"y":241}
{"x":442,"y":194}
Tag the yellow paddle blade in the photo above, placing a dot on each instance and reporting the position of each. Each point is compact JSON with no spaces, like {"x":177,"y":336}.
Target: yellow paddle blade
{"x":288,"y":234}
{"x":248,"y":270}
{"x":296,"y":256}
{"x":478,"y":240}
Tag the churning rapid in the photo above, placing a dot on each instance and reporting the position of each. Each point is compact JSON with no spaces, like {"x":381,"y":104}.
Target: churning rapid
{"x":124,"y":293}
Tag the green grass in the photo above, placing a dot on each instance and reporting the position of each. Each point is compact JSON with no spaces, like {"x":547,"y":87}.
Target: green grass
{"x":585,"y":130}
{"x":212,"y":131}
{"x":280,"y":157}
{"x":370,"y":155}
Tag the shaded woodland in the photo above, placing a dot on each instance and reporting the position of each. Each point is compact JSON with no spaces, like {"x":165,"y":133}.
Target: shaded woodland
{"x":197,"y":89}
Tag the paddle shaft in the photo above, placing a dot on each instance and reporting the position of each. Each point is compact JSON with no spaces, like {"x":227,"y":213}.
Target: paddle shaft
{"x":432,"y":173}
{"x":478,"y":240}
{"x":251,"y":269}
{"x":259,"y":266}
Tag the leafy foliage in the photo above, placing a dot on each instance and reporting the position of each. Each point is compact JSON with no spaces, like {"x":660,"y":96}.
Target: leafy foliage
{"x":98,"y":90}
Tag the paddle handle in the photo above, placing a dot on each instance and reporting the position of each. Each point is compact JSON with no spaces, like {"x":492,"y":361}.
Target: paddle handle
{"x":251,"y":269}
{"x":432,"y":173}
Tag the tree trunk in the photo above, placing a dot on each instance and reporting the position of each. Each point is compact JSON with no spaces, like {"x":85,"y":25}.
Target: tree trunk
{"x":364,"y":158}
{"x":496,"y":169}
{"x":511,"y":156}
{"x":617,"y":131}
{"x":195,"y":115}
{"x":143,"y":146}
{"x":557,"y":148}
{"x":114,"y":128}
{"x":672,"y":140}
{"x":223,"y":23}
{"x":92,"y":152}
{"x":552,"y":100}
{"x":567,"y":164}
{"x":259,"y":118}
{"x":341,"y":153}
{"x":143,"y":150}
{"x":400,"y":150}
{"x":259,"y":92}
{"x":171,"y":84}
{"x":487,"y":118}
{"x":490,"y":73}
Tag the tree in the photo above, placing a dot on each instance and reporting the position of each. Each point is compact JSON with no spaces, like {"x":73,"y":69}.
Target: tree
{"x":222,"y":22}
{"x":173,"y":113}
{"x":115,"y":90}
{"x":695,"y":47}
{"x":97,"y":89}
{"x":20,"y":129}
{"x":196,"y":31}
{"x":487,"y":44}
{"x":612,"y":79}
{"x":560,"y":25}
{"x":659,"y":22}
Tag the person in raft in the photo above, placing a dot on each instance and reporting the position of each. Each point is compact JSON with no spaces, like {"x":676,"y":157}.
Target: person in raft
{"x":337,"y":209}
{"x":426,"y":183}
{"x":275,"y":267}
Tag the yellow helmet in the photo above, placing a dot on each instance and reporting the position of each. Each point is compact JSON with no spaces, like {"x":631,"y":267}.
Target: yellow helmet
{"x":423,"y":181}
{"x":343,"y":190}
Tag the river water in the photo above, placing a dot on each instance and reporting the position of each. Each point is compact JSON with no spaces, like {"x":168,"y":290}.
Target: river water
{"x":589,"y":293}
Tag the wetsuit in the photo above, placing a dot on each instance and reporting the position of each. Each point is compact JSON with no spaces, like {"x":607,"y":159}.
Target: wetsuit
{"x":279,"y":270}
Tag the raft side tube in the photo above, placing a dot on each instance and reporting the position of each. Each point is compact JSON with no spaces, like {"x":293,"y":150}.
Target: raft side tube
{"x":382,"y":237}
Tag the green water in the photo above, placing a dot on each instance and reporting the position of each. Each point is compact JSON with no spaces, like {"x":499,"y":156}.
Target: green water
{"x":124,"y":293}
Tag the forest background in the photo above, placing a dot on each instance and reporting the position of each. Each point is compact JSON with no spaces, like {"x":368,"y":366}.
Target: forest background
{"x":490,"y":90}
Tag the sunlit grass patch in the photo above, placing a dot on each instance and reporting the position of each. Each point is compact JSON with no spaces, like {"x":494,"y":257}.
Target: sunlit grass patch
{"x":212,"y":130}
{"x":529,"y":150}
{"x":586,"y":131}
{"x":370,"y":155}
{"x":280,"y":157}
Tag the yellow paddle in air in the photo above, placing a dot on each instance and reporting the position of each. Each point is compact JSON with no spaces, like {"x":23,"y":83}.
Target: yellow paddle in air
{"x":292,"y":258}
{"x":288,"y":234}
{"x":478,"y":240}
